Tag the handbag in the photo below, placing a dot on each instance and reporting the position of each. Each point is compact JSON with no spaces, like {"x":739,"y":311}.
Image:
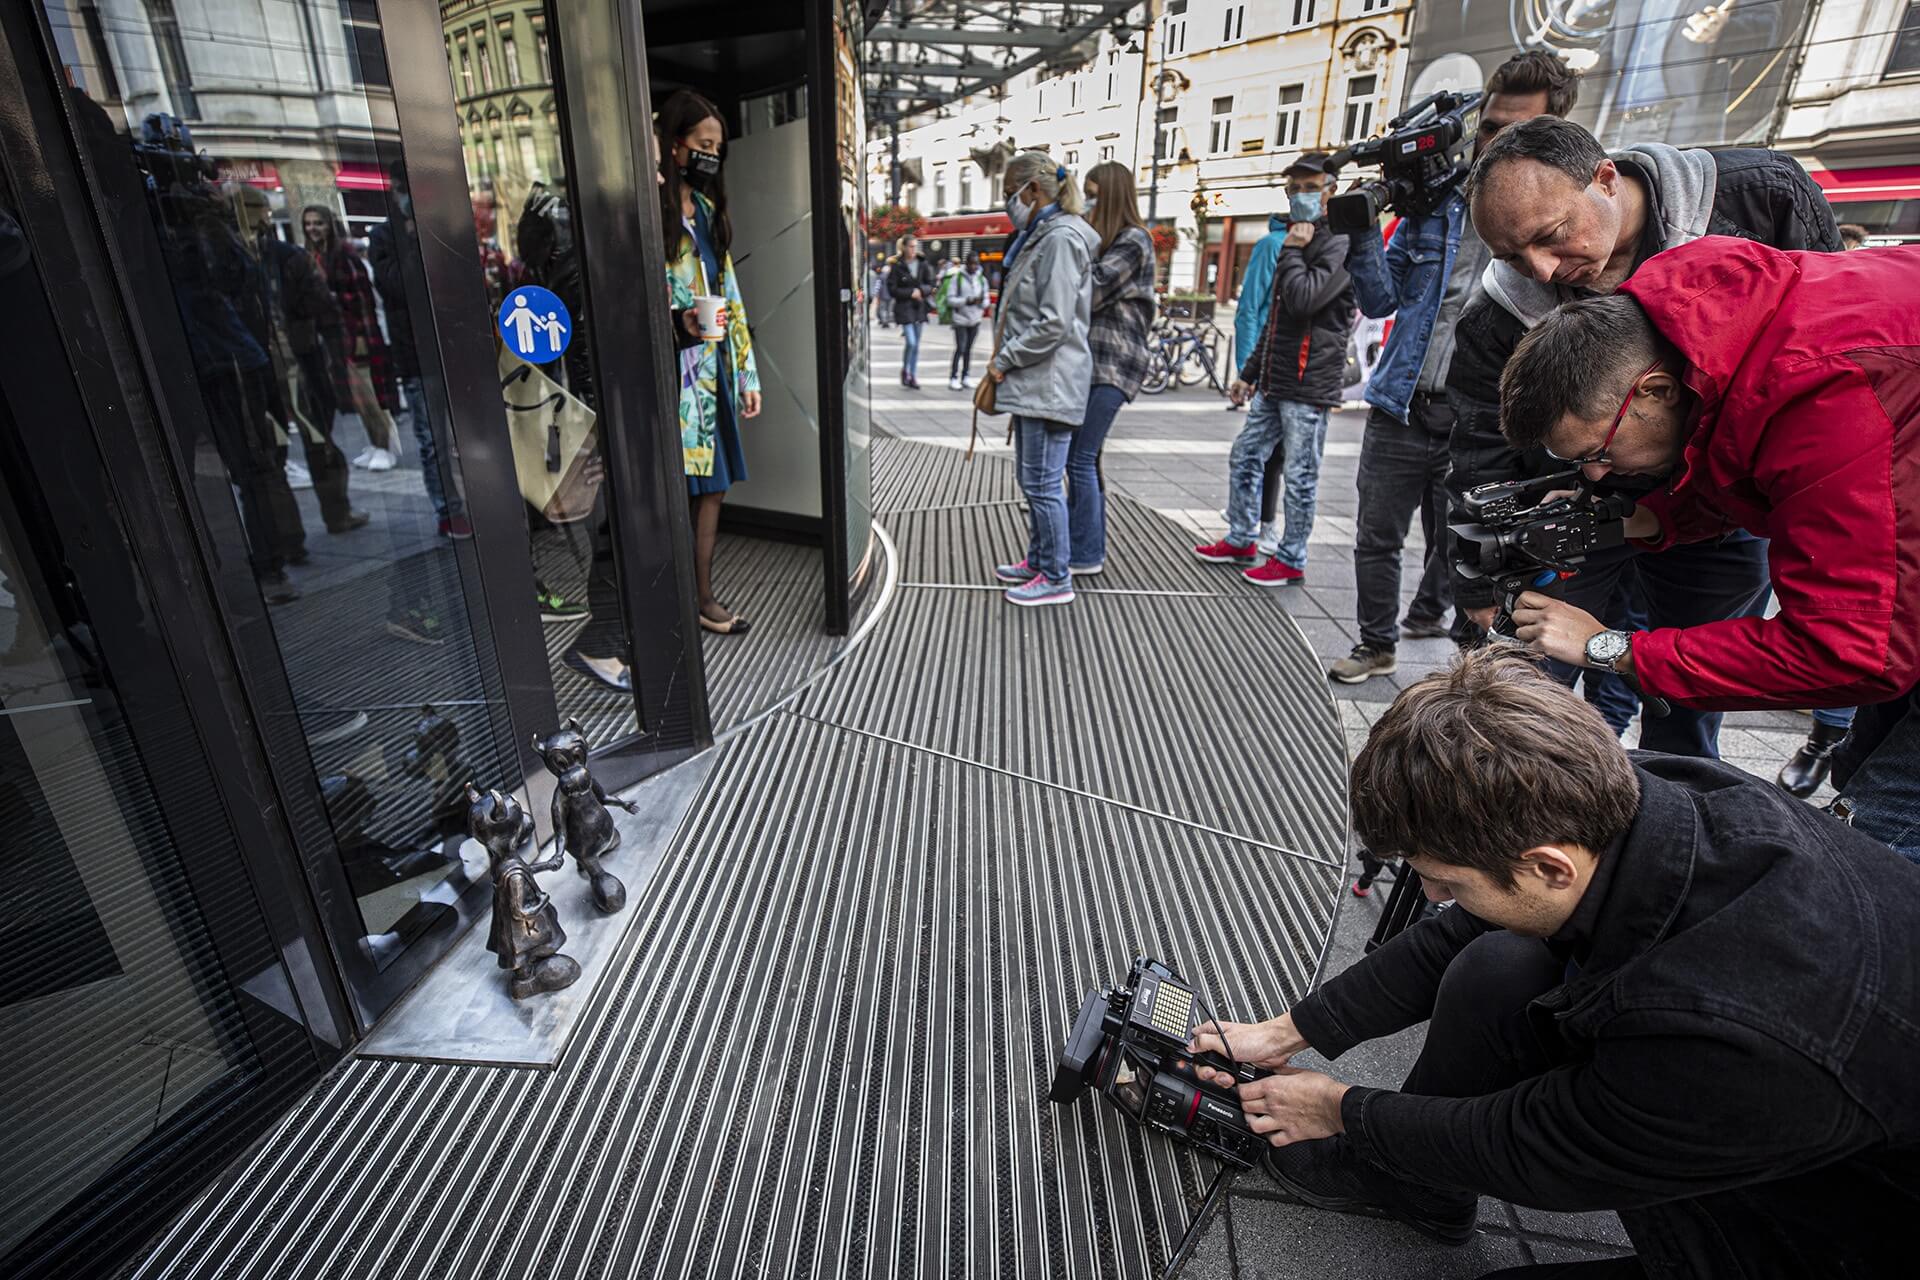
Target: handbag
{"x":986,"y":391}
{"x":554,"y":442}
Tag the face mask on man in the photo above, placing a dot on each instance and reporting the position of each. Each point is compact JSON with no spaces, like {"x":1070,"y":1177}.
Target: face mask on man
{"x":1303,"y":206}
{"x":701,"y":169}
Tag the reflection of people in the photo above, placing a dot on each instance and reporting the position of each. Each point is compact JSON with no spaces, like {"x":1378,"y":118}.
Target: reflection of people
{"x":1790,"y":382}
{"x":299,"y":326}
{"x":1564,"y":219}
{"x":719,"y":383}
{"x":1044,"y":364}
{"x":1663,"y":988}
{"x":366,"y":374}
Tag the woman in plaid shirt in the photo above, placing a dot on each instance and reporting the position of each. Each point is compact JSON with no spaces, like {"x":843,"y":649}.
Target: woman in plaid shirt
{"x":1122,"y":316}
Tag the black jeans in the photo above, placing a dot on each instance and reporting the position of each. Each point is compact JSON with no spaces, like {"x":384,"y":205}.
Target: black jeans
{"x":1683,"y":586}
{"x":1403,"y":468}
{"x":963,"y":336}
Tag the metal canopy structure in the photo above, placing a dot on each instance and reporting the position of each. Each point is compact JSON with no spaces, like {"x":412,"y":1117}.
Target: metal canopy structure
{"x":924,"y":54}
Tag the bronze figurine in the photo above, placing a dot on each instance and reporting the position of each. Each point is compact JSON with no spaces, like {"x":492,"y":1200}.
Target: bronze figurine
{"x":581,"y":824}
{"x":525,"y":933}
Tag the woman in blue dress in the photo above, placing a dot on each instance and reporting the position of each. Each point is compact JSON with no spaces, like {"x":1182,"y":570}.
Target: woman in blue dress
{"x":719,"y":384}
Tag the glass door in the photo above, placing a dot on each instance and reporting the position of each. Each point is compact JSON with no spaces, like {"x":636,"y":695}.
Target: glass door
{"x":151,"y":1022}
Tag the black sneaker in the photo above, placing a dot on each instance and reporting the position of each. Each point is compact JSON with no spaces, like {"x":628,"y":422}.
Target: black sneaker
{"x":1423,"y":629}
{"x":555,"y":607}
{"x":1365,"y":662}
{"x":1327,"y":1174}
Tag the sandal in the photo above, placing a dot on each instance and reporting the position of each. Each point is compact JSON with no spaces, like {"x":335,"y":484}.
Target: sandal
{"x":734,"y":626}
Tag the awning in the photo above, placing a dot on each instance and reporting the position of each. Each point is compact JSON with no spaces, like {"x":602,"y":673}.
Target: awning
{"x":361,"y":177}
{"x":966,"y":224}
{"x":1894,"y":182}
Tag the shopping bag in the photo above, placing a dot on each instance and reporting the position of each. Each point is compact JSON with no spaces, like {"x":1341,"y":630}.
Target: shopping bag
{"x":554,"y":442}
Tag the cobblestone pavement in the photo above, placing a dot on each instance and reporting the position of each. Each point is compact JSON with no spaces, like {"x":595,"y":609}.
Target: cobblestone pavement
{"x":1170,"y":452}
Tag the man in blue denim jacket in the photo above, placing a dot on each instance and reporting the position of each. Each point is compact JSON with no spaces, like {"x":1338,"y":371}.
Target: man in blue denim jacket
{"x":1424,"y":279}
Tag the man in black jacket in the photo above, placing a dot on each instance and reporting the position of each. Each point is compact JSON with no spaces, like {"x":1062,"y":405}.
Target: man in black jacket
{"x":1565,"y":219}
{"x":1293,"y":376}
{"x":1665,"y":988}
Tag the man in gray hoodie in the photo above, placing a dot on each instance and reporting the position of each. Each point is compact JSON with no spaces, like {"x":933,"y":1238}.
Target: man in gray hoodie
{"x":1564,"y":219}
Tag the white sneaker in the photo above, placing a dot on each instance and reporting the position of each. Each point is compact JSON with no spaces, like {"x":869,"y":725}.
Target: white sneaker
{"x":382,"y":460}
{"x":364,"y":457}
{"x":298,"y":477}
{"x":953,"y":384}
{"x":1267,"y":541}
{"x":966,"y":384}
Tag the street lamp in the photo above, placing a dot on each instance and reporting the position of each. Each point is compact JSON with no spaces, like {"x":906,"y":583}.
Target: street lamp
{"x":1167,"y":84}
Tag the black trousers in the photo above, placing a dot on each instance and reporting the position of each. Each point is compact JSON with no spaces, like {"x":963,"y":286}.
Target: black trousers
{"x":963,"y":336}
{"x":1403,"y":469}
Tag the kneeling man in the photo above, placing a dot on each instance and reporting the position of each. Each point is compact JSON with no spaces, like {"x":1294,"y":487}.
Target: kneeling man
{"x":1664,"y":988}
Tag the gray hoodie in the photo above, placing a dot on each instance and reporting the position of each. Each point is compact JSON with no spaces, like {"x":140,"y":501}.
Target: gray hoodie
{"x":1046,"y":309}
{"x":1682,"y":200}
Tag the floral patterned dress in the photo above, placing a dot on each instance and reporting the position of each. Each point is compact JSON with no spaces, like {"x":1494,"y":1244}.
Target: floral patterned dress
{"x":709,"y":419}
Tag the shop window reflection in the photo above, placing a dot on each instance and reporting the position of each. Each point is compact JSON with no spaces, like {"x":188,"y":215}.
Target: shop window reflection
{"x":282,"y":244}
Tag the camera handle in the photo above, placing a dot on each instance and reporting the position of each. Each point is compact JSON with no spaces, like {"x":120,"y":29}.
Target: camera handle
{"x":1512,"y":586}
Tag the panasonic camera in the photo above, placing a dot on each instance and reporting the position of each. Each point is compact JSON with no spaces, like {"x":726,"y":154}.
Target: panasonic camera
{"x":1130,"y":1043}
{"x":1425,"y":154}
{"x":1527,"y":535}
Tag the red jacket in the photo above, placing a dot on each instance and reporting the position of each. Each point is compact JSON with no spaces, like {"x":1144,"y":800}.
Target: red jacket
{"x":1807,"y":366}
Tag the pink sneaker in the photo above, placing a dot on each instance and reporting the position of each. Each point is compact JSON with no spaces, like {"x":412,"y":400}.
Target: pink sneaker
{"x":1018,"y":573}
{"x":1274,"y":573}
{"x":1224,"y":552}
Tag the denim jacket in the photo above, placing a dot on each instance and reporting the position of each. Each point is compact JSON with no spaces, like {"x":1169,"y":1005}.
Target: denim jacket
{"x":1407,"y":279}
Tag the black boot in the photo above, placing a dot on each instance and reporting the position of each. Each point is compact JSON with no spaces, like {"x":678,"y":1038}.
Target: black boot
{"x":1801,"y":776}
{"x":1327,"y":1174}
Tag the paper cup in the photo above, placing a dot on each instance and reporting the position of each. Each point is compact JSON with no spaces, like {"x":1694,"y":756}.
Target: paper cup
{"x":708,"y":310}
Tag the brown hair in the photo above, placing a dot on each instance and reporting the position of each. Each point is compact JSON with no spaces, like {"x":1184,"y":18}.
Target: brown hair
{"x":1537,"y":71}
{"x":1580,"y":359}
{"x":1475,"y":765}
{"x":1119,"y":204}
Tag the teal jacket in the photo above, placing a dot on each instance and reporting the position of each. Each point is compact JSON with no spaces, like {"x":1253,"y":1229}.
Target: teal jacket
{"x":1256,"y":290}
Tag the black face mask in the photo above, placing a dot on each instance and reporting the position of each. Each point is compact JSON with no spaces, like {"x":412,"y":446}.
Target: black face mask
{"x":701,"y":171}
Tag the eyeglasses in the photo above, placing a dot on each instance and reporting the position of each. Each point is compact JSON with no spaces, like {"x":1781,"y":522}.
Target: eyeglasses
{"x":1600,"y":456}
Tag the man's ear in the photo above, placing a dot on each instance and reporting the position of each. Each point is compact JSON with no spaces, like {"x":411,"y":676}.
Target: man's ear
{"x":1606,"y":177}
{"x":1662,"y":386}
{"x":1552,"y":865}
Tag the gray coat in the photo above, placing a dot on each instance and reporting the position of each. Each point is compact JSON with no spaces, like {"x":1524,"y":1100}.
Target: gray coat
{"x":1046,"y":305}
{"x":967,"y":298}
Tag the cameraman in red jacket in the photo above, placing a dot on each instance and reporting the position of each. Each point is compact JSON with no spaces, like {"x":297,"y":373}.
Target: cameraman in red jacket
{"x":1779,"y":393}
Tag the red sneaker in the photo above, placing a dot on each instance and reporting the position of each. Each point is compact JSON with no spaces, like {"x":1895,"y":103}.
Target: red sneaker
{"x":1274,"y":573}
{"x":1224,"y":552}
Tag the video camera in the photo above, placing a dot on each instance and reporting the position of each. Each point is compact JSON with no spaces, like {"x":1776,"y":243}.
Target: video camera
{"x":1423,"y":157}
{"x":1523,"y":543}
{"x":1130,"y":1043}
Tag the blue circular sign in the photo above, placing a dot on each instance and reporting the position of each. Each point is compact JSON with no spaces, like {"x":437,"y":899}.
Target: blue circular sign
{"x":535,"y":324}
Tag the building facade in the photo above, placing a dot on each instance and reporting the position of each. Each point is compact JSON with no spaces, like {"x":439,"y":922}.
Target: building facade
{"x":1209,"y":105}
{"x":1853,"y":113}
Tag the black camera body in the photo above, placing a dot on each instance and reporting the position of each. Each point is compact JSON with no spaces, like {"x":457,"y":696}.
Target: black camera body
{"x":1130,"y":1043}
{"x":1425,"y":154}
{"x":1523,"y":543}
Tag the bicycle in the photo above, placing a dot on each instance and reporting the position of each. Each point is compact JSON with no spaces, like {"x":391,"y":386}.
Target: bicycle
{"x":1186,"y":355}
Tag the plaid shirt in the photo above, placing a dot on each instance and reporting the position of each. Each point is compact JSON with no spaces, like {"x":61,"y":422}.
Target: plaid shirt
{"x":1122,"y":311}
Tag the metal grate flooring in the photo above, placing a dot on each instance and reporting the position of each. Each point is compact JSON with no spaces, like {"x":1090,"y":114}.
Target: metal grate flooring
{"x":824,"y":1046}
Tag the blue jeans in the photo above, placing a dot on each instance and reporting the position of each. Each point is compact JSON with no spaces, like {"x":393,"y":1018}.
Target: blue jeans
{"x":1300,"y":432}
{"x":1043,"y":466}
{"x":1834,"y":717}
{"x":444,"y":506}
{"x":1880,"y":776}
{"x":1086,"y":505}
{"x":910,"y":360}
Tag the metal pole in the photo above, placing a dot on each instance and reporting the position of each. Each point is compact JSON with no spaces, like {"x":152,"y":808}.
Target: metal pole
{"x":893,"y":162}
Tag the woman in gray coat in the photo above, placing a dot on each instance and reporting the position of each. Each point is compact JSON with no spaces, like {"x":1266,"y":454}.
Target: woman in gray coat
{"x":1044,"y":365}
{"x":966,"y":305}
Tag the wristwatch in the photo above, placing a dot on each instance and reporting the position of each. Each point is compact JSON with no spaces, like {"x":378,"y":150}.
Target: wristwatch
{"x":1605,"y":649}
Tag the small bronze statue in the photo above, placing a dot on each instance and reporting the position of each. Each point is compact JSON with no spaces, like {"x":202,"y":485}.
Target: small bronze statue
{"x":525,"y":933}
{"x":581,"y":824}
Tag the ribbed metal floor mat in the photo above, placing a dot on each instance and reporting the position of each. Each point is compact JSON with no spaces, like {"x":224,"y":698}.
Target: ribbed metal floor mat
{"x":826,"y":1049}
{"x":907,"y":476}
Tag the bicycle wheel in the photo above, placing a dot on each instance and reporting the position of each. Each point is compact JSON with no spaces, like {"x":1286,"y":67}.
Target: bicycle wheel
{"x":1194,"y":364}
{"x":1157,"y":375}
